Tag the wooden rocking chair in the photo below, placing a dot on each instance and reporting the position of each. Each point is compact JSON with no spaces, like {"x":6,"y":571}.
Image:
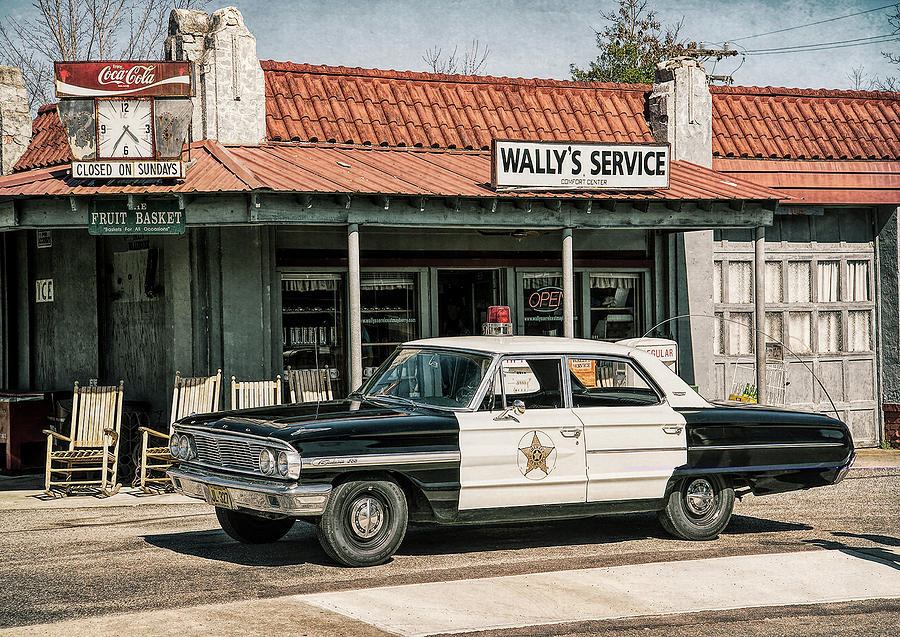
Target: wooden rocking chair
{"x":93,"y":441}
{"x":197,"y":395}
{"x":255,"y":393}
{"x":309,"y":385}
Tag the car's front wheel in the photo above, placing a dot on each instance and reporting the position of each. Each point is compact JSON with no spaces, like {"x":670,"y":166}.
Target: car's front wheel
{"x":364,"y":522}
{"x":698,"y":508}
{"x":252,"y":529}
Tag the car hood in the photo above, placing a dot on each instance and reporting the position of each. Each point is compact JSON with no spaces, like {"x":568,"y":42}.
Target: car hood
{"x":313,"y":421}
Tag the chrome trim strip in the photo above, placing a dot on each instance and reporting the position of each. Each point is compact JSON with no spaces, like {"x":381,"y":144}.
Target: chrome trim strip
{"x":781,"y":445}
{"x":255,"y":494}
{"x":233,"y":436}
{"x":636,"y":450}
{"x":380,"y":459}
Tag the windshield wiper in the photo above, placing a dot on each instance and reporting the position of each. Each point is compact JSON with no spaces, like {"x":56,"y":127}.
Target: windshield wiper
{"x":404,"y":399}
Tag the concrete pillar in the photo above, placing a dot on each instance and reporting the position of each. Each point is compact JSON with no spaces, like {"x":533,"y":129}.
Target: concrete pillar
{"x":15,"y":118}
{"x":759,"y":306}
{"x":680,"y":114}
{"x":568,"y":285}
{"x":355,"y":314}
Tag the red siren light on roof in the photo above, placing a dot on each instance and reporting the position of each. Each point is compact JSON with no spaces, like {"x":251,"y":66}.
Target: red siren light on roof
{"x":498,"y":314}
{"x":498,"y":321}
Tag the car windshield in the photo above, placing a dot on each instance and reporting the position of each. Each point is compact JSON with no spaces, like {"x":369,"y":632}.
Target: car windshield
{"x":439,"y":378}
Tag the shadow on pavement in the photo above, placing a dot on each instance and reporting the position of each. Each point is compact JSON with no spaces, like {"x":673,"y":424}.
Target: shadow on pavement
{"x":873,"y":554}
{"x":743,"y":524}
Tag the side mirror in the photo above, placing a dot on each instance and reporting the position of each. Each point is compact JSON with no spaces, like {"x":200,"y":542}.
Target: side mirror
{"x":518,"y":407}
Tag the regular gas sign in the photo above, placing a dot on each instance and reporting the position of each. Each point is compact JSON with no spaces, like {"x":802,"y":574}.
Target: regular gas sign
{"x":579,"y":165}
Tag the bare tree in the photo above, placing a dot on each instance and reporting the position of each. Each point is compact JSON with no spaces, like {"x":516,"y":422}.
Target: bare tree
{"x":472,"y":62}
{"x":70,"y":30}
{"x":859,"y":79}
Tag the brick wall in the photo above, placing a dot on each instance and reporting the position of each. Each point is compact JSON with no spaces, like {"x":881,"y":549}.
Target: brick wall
{"x":892,"y":424}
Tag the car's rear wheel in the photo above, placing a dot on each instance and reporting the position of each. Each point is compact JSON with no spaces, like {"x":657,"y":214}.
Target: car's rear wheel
{"x":698,"y":508}
{"x":252,"y":529}
{"x":364,"y":522}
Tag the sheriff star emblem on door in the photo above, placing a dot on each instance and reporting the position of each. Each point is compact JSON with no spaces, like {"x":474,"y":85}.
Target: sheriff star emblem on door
{"x":537,"y":455}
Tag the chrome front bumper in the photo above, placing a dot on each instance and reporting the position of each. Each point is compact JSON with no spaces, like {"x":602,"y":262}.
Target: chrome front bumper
{"x":269,"y":496}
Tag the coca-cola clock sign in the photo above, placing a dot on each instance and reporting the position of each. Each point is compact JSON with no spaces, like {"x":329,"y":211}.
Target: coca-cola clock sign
{"x":122,"y":79}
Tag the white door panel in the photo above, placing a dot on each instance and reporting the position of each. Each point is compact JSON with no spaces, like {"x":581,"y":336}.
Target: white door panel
{"x":495,"y":469}
{"x":631,"y":450}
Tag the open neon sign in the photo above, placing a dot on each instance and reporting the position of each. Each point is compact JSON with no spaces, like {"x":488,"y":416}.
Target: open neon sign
{"x":548,"y":299}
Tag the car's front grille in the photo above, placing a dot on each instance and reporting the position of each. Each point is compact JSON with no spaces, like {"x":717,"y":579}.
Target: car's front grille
{"x":228,"y":453}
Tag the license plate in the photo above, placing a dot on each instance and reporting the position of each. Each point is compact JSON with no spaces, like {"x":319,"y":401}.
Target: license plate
{"x":218,"y":496}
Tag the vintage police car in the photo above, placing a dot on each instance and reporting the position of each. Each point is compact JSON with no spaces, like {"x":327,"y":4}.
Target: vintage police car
{"x":493,"y":428}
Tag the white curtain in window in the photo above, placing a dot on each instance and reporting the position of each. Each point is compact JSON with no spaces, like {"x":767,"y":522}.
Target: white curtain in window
{"x":774,"y":290}
{"x":740,"y":282}
{"x":774,"y":327}
{"x":541,"y":280}
{"x":858,"y":280}
{"x":828,"y":274}
{"x":829,"y":325}
{"x":717,"y":282}
{"x":310,"y":282}
{"x":800,"y":331}
{"x":859,"y":330}
{"x":740,"y":334}
{"x":798,"y":282}
{"x":386,"y":280}
{"x":613,"y":280}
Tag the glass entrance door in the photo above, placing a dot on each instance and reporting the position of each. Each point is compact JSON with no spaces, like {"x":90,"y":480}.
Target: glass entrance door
{"x":463,"y":297}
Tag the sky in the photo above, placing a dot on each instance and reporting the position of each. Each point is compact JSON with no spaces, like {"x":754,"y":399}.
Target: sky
{"x":540,"y":38}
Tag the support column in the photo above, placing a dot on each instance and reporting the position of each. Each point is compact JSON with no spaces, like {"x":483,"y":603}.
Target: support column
{"x":568,"y":285}
{"x":759,"y":305}
{"x":356,"y":376}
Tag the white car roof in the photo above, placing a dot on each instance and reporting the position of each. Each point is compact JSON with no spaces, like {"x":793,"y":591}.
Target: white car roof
{"x":525,"y":345}
{"x":678,"y":393}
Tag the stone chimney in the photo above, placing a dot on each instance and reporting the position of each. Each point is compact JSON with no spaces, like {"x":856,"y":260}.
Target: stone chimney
{"x":15,"y":119}
{"x":230,"y":102}
{"x":681,"y":110}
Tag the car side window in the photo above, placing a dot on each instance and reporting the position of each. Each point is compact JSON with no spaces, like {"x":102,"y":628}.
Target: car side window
{"x":606,"y":382}
{"x":537,"y":382}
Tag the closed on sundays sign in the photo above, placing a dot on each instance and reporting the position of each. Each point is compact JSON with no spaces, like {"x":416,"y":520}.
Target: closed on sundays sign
{"x":579,"y":165}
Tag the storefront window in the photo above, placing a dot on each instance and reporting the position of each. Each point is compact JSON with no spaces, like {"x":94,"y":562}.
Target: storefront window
{"x":542,"y":294}
{"x":390,"y":314}
{"x":615,"y":305}
{"x":312,"y":307}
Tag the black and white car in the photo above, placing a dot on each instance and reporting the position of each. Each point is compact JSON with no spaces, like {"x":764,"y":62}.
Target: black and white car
{"x":497,"y":428}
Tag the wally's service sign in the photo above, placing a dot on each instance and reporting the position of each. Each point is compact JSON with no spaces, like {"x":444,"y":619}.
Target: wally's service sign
{"x":579,"y":165}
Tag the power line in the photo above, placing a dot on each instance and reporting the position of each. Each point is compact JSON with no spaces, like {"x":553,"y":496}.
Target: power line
{"x":802,"y":26}
{"x":805,"y":46}
{"x":824,"y":48}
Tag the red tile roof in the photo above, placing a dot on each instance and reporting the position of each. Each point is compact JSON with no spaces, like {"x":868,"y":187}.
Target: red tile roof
{"x":364,"y":170}
{"x":821,"y":182}
{"x":309,"y":103}
{"x":48,"y":146}
{"x":783,"y":123}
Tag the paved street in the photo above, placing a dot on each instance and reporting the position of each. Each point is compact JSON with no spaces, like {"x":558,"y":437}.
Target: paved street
{"x":826,"y":561}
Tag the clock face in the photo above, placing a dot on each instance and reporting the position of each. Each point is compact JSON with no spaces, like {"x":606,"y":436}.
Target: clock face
{"x":124,"y":129}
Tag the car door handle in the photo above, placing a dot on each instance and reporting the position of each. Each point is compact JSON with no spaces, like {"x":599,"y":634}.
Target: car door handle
{"x":571,"y":432}
{"x":673,"y":429}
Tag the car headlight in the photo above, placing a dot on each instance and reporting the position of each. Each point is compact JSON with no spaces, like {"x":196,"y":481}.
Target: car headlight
{"x":184,"y":447}
{"x":282,"y":463}
{"x":266,"y":462}
{"x":175,"y":446}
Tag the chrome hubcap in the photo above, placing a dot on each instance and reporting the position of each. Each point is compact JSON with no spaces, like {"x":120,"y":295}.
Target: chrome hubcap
{"x":366,"y":517}
{"x":699,"y":497}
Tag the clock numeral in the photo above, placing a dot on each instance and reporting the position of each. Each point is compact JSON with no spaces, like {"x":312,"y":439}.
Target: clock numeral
{"x":124,"y":107}
{"x":147,"y":127}
{"x":125,"y":151}
{"x":103,"y":129}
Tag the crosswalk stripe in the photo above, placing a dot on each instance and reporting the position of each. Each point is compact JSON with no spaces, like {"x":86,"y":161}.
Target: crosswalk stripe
{"x":747,"y":581}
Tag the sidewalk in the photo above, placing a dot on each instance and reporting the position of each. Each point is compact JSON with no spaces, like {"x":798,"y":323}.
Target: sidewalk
{"x":26,"y":492}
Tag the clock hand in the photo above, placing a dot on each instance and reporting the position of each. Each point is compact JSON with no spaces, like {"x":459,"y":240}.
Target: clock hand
{"x":127,"y":130}
{"x":116,"y":145}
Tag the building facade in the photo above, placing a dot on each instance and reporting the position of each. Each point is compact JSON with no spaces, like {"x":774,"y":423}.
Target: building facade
{"x":332,"y":213}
